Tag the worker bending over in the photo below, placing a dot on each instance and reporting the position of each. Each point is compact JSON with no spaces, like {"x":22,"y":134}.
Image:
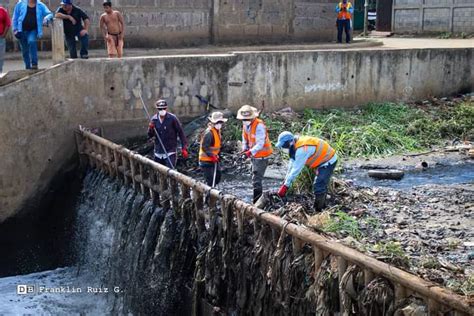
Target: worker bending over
{"x":314,"y":153}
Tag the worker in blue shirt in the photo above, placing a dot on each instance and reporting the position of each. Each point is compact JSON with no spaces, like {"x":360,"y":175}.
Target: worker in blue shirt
{"x":29,"y":17}
{"x":314,"y":153}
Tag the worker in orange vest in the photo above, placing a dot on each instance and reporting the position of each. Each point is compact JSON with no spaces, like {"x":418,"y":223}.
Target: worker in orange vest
{"x":256,"y":145}
{"x":344,"y":12}
{"x":314,"y":153}
{"x":210,"y":148}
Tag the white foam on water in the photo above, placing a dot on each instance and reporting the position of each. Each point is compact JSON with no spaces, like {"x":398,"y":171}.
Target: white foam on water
{"x":67,"y":302}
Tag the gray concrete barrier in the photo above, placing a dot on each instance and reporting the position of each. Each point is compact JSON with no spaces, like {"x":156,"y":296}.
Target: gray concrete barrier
{"x":39,"y":113}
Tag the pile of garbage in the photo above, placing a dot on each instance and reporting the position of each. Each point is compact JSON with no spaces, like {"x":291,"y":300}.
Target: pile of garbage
{"x":427,"y":230}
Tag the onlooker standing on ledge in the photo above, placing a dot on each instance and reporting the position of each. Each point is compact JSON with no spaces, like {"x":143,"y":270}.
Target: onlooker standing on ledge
{"x":112,"y":27}
{"x":344,"y":14}
{"x":28,"y":18}
{"x":5,"y":24}
{"x":76,"y":23}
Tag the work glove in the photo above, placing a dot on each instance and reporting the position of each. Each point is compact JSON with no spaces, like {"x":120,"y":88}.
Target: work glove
{"x":282,"y":191}
{"x":151,"y":126}
{"x":215,"y":159}
{"x":184,"y":153}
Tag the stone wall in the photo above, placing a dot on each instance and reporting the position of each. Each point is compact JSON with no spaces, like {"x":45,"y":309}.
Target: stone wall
{"x":178,"y":23}
{"x":274,"y":21}
{"x":432,"y":16}
{"x":38,"y":114}
{"x":148,"y":23}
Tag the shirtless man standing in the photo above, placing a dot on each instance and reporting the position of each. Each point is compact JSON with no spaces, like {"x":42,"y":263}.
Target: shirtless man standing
{"x":112,"y":27}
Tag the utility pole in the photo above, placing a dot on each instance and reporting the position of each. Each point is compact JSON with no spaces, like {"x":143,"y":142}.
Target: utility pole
{"x":366,"y":10}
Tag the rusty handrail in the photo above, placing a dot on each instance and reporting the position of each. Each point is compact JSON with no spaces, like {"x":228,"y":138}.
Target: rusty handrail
{"x":429,"y":290}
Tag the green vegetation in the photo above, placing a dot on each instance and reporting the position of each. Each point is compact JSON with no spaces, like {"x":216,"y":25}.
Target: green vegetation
{"x":232,"y":130}
{"x":377,"y":129}
{"x":466,"y":287}
{"x":342,"y":223}
{"x":386,"y":129}
{"x":447,"y":35}
{"x":393,"y":253}
{"x":372,"y":222}
{"x":430,"y":263}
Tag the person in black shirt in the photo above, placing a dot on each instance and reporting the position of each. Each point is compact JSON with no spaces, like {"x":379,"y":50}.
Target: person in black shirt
{"x":76,"y":23}
{"x":169,"y":128}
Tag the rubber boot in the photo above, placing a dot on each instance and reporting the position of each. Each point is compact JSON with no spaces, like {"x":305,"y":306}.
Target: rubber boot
{"x":257,"y":193}
{"x":319,"y":202}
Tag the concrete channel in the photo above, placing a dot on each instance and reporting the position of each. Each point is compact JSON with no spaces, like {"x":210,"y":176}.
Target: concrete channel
{"x":95,"y":94}
{"x":39,"y":143}
{"x":169,"y":188}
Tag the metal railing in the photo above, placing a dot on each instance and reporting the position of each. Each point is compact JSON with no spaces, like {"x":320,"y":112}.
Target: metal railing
{"x":169,"y":187}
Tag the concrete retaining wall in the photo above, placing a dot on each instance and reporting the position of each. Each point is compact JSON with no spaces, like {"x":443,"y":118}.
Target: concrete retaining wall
{"x":431,"y":16}
{"x":175,"y":23}
{"x":38,"y":114}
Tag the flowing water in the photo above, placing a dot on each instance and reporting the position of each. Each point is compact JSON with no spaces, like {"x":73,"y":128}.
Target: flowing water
{"x":122,"y":240}
{"x":443,"y":175}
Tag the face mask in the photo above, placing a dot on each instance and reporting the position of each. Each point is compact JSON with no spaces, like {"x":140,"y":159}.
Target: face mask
{"x":218,"y":126}
{"x":162,"y":112}
{"x":247,"y":123}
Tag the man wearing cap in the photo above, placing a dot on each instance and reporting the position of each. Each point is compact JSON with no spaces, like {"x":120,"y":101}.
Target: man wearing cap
{"x":256,"y":145}
{"x":210,"y":148}
{"x":29,"y":16}
{"x":76,"y":24}
{"x":314,"y":153}
{"x":169,"y":129}
{"x":112,"y":27}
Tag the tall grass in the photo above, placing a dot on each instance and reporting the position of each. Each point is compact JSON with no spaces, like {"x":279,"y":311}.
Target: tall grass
{"x":382,"y":129}
{"x":376,"y":129}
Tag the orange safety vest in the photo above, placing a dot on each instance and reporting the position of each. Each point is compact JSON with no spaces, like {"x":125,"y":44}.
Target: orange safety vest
{"x":323,"y":153}
{"x":344,"y":15}
{"x":215,"y":148}
{"x":250,"y":138}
